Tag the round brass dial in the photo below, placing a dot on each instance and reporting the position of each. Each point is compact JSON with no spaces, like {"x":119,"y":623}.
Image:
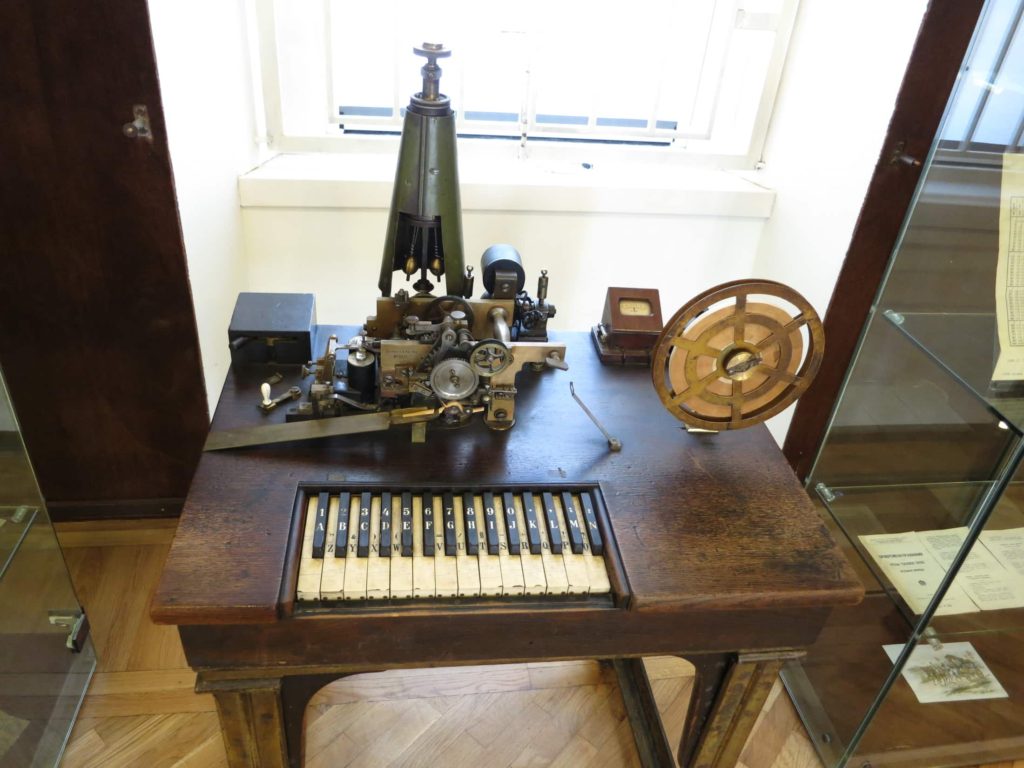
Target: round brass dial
{"x":741,"y":362}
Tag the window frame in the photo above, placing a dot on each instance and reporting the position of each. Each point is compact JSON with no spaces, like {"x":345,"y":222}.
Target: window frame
{"x":660,"y":145}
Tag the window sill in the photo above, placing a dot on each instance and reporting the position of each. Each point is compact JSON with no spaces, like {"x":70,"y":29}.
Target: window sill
{"x":503,"y":183}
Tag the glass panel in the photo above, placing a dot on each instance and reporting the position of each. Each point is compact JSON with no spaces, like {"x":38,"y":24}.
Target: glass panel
{"x":958,"y":698}
{"x":42,"y":682}
{"x":921,"y":459}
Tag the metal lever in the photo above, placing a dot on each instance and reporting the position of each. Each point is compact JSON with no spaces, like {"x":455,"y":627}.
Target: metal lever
{"x":614,"y":444}
{"x":269,"y":404}
{"x":554,"y":360}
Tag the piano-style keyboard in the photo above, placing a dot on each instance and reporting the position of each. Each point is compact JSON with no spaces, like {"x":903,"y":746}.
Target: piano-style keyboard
{"x":372,"y":544}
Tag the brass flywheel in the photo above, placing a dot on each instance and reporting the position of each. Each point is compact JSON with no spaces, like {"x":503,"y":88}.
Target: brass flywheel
{"x":737,"y":354}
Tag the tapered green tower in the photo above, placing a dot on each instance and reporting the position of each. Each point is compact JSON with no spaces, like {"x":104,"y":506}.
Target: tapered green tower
{"x":424,"y":234}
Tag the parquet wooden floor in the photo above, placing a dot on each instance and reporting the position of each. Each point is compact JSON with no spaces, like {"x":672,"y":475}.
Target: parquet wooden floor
{"x":141,"y":710}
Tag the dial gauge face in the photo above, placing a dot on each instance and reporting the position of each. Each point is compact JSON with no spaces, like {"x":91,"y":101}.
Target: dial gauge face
{"x":635,"y":308}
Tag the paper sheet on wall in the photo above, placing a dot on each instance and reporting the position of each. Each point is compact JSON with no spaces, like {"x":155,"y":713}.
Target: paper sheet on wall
{"x":1010,"y":272}
{"x":991,"y":586}
{"x":915,"y":573}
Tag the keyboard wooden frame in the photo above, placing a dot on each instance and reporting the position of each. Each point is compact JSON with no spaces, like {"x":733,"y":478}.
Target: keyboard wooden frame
{"x":718,"y":549}
{"x":618,"y":598}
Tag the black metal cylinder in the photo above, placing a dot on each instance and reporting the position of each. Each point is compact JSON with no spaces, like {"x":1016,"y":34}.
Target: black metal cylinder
{"x":505,"y":258}
{"x":362,"y":374}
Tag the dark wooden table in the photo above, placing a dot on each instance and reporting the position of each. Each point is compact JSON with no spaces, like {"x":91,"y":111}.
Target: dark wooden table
{"x":727,"y":563}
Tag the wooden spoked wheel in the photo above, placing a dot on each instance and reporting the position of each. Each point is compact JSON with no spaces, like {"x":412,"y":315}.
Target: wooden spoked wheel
{"x":735,"y":355}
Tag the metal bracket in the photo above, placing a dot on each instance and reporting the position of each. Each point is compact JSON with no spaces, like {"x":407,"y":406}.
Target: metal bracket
{"x":77,"y":625}
{"x":899,"y":157}
{"x":825,"y":493}
{"x":139,"y":127}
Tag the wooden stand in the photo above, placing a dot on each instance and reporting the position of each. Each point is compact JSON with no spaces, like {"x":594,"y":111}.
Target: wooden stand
{"x":724,"y":562}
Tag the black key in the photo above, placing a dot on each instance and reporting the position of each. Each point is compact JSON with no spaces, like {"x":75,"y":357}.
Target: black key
{"x":511,"y":526}
{"x":532,"y":526}
{"x":551,"y":516}
{"x":491,"y":524}
{"x":320,"y":531}
{"x":385,"y":524}
{"x":593,"y":531}
{"x":471,"y":522}
{"x":341,"y":535}
{"x":572,"y":527}
{"x":407,"y":524}
{"x":363,"y":545}
{"x":448,"y":505}
{"x":428,"y":524}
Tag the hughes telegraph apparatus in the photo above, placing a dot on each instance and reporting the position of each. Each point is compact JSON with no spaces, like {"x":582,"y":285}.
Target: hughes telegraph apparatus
{"x":422,"y":356}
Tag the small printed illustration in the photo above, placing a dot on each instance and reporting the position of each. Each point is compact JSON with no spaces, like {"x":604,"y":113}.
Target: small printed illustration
{"x":950,"y":672}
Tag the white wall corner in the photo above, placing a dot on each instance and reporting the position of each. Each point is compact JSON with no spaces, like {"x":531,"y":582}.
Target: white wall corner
{"x":205,"y":85}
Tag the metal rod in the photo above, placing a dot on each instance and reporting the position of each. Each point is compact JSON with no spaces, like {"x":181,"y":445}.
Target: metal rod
{"x":614,"y":444}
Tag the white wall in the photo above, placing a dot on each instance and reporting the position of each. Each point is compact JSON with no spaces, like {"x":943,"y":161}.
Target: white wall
{"x":205,"y":86}
{"x":845,"y":65}
{"x":336,"y":253}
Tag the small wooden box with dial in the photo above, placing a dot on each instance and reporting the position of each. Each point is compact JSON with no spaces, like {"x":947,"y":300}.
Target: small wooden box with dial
{"x":629,"y":326}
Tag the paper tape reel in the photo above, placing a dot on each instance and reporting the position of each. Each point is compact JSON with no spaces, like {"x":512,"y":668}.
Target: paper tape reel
{"x":737,"y":354}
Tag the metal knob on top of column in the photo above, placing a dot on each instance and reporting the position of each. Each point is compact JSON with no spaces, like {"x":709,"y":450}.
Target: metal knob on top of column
{"x":431,"y":72}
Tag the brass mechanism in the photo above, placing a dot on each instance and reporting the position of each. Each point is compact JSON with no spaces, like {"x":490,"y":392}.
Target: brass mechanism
{"x":420,"y":357}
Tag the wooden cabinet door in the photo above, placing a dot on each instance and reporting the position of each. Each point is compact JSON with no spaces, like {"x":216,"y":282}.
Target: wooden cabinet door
{"x":97,"y":330}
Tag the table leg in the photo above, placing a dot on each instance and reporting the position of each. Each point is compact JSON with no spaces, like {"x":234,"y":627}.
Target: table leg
{"x":651,"y":743}
{"x":251,"y":720}
{"x":263,"y":721}
{"x":729,"y":691}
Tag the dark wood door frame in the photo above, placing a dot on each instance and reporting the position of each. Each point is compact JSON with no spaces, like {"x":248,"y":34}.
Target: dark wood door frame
{"x":939,"y":49}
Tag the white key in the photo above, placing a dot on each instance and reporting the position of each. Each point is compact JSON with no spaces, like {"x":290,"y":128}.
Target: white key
{"x":597,"y":570}
{"x":355,"y":568}
{"x":332,"y":581}
{"x":378,"y":569}
{"x":422,"y":566}
{"x":401,"y":567}
{"x":554,"y":565}
{"x":511,"y":566}
{"x":446,"y":574}
{"x":490,"y":567}
{"x":308,"y":586}
{"x":575,"y":567}
{"x":468,"y":568}
{"x":533,"y":568}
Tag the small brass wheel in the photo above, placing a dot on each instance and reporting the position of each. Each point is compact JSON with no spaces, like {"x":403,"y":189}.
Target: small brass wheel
{"x":727,"y":360}
{"x":489,"y":358}
{"x":439,"y":307}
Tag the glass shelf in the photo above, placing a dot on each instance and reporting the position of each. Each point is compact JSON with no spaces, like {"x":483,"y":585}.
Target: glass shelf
{"x":966,"y":346}
{"x":866,"y":510}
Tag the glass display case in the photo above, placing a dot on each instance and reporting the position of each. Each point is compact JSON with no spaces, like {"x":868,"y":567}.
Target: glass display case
{"x":919,"y":475}
{"x":46,"y":658}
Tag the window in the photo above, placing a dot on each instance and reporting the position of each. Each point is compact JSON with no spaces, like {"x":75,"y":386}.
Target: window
{"x":978,"y":124}
{"x":694,"y":77}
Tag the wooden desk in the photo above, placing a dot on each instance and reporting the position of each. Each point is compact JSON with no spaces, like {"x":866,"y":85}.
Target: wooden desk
{"x":726,"y":561}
